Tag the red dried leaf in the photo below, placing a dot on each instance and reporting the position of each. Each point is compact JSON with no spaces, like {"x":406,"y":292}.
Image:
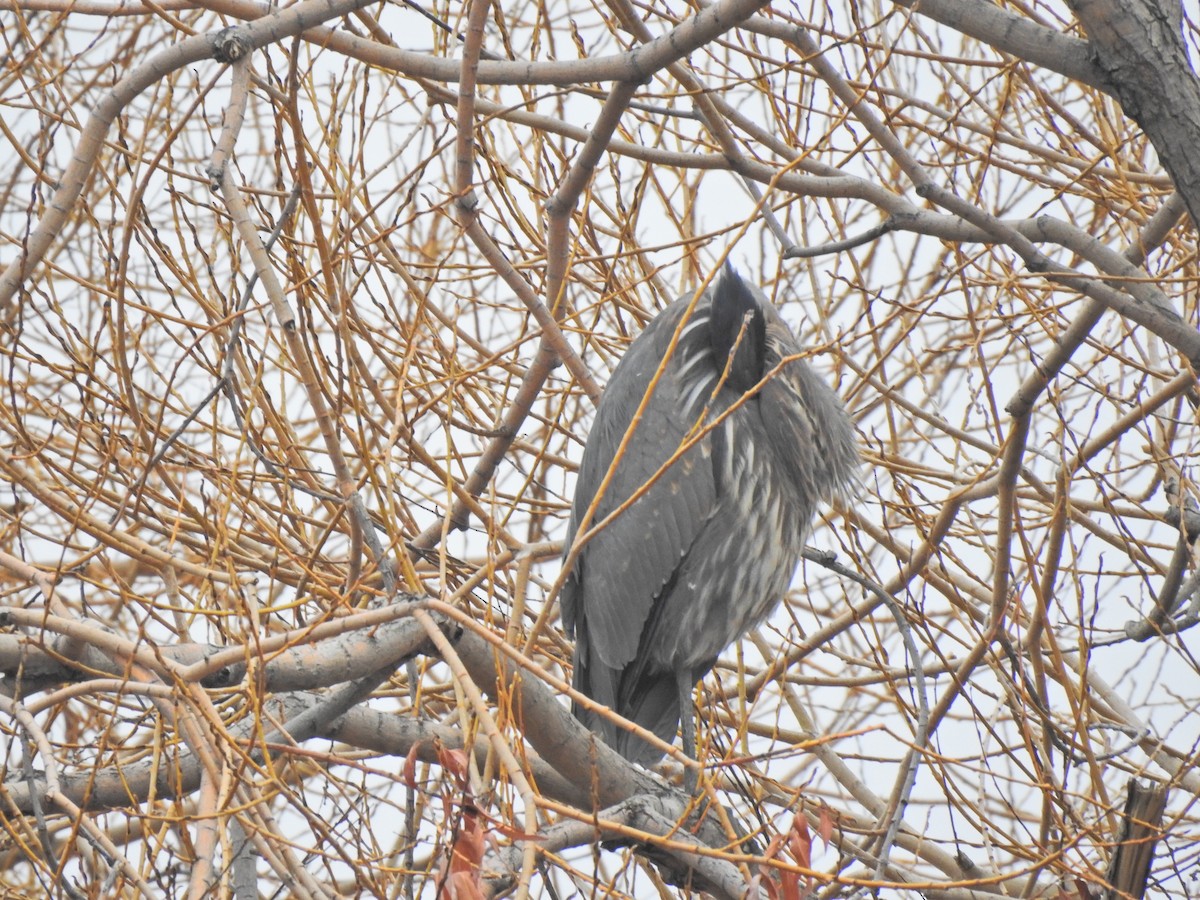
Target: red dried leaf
{"x":455,"y":763}
{"x":767,"y":886}
{"x":409,"y":772}
{"x":461,"y":886}
{"x":825,"y":824}
{"x":467,"y":853}
{"x":513,"y":833}
{"x":1083,"y":891}
{"x":790,"y":883}
{"x":466,"y":859}
{"x":800,"y":842}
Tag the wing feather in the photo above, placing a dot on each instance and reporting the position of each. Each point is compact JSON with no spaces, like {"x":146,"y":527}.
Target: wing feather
{"x":630,"y":561}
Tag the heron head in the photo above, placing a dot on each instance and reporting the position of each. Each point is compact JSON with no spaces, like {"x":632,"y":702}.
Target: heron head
{"x":738,"y":326}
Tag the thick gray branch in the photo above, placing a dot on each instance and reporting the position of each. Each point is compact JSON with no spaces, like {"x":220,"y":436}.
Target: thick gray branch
{"x":1138,"y":47}
{"x":1013,"y":34}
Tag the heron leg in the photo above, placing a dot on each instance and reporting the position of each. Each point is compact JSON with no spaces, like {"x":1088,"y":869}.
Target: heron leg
{"x":687,"y":719}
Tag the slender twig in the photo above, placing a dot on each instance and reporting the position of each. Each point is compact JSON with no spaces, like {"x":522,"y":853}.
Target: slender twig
{"x":898,"y":802}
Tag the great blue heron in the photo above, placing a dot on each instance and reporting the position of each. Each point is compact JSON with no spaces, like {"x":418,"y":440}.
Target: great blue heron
{"x":712,"y":542}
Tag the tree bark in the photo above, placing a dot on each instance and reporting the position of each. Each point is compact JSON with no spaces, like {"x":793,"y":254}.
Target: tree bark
{"x":1138,"y":46}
